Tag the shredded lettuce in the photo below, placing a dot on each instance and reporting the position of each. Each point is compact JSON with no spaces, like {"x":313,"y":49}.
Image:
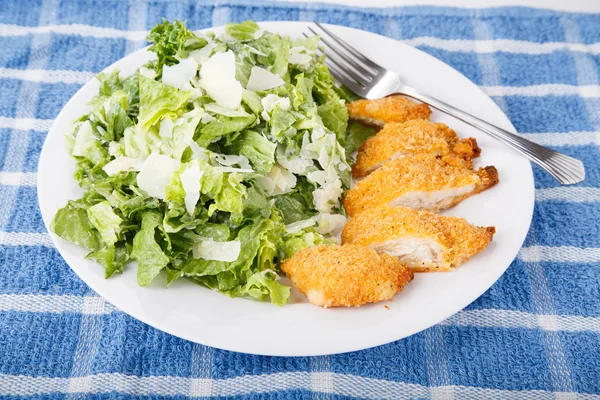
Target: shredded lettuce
{"x":146,"y":251}
{"x":214,"y":162}
{"x":356,"y":134}
{"x":158,"y":101}
{"x":244,"y":31}
{"x":172,"y":41}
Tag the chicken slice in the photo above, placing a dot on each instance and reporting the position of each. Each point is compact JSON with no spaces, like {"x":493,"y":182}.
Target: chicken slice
{"x":420,"y":182}
{"x":349,"y":275}
{"x":388,"y":109}
{"x":417,"y":136}
{"x":425,"y":241}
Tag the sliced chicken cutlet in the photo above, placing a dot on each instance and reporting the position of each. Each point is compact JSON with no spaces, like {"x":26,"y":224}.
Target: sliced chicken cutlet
{"x":417,"y":136}
{"x":425,"y":241}
{"x":349,"y":275}
{"x":388,"y":109}
{"x":420,"y":182}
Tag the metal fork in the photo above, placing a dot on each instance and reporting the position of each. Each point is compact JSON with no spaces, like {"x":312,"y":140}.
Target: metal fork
{"x":372,"y":81}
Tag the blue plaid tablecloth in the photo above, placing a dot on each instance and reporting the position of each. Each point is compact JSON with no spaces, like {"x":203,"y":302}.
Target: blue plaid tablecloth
{"x":534,"y":334}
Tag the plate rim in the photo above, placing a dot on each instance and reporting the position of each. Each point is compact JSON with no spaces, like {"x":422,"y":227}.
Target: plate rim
{"x":270,"y":25}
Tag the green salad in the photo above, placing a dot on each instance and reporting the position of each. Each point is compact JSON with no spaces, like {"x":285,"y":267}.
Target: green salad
{"x":214,"y":162}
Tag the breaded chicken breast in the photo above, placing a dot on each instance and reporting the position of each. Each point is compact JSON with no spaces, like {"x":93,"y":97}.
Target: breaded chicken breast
{"x":422,"y":239}
{"x":388,"y":109}
{"x":349,"y":275}
{"x":417,"y":136}
{"x":419,"y":182}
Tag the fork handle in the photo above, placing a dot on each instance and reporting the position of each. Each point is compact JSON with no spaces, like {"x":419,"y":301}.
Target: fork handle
{"x":565,"y":169}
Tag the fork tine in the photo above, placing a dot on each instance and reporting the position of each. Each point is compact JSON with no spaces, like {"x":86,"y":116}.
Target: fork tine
{"x":339,"y":71}
{"x":342,"y":74}
{"x":373,"y":66}
{"x":362,"y":72}
{"x":344,"y":79}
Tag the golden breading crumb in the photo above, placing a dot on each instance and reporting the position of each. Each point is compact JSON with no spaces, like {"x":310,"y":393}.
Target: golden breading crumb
{"x":388,"y":109}
{"x":467,"y":148}
{"x":424,"y":240}
{"x":419,"y":181}
{"x":349,"y":275}
{"x":417,"y":136}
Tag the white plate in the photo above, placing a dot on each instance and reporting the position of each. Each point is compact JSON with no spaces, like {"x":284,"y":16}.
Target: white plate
{"x":300,"y":329}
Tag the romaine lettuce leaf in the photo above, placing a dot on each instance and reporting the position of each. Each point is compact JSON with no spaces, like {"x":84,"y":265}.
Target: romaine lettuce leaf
{"x":263,"y":285}
{"x":249,"y":238}
{"x":146,"y":251}
{"x":356,"y":134}
{"x":73,"y":224}
{"x":109,"y":83}
{"x":158,"y":101}
{"x":257,"y":148}
{"x":231,"y":196}
{"x":335,"y":117}
{"x":256,"y":203}
{"x":222,"y":126}
{"x":242,"y":31}
{"x":112,"y":258}
{"x":308,"y":237}
{"x":104,"y":219}
{"x":172,"y":40}
{"x":280,"y":121}
{"x":252,"y":100}
{"x":293,"y":207}
{"x":219,"y":232}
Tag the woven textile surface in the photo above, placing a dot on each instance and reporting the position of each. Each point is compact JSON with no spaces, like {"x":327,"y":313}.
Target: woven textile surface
{"x":534,"y":334}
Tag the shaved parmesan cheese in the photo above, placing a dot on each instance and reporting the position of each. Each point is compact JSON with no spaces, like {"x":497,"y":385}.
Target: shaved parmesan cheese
{"x":121,"y":164}
{"x":262,"y":79}
{"x":106,"y":107}
{"x":166,"y":128}
{"x":148,"y":73}
{"x":116,"y":149}
{"x":101,"y":130}
{"x":294,"y":164}
{"x":299,"y":225}
{"x":327,"y":197}
{"x":84,"y":138}
{"x":208,"y":249}
{"x":190,"y":180}
{"x":299,"y":56}
{"x":207,"y":118}
{"x":198,"y":153}
{"x":323,"y":158}
{"x":330,"y":223}
{"x":270,"y":101}
{"x":231,"y":159}
{"x":278,"y":181}
{"x":317,"y":177}
{"x":203,"y":54}
{"x":155,"y":174}
{"x":228,"y":112}
{"x":179,"y":75}
{"x":196,"y":92}
{"x":217,"y":77}
{"x":255,"y":51}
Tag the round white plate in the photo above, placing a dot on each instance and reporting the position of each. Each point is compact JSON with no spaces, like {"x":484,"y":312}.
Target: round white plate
{"x":195,"y":313}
